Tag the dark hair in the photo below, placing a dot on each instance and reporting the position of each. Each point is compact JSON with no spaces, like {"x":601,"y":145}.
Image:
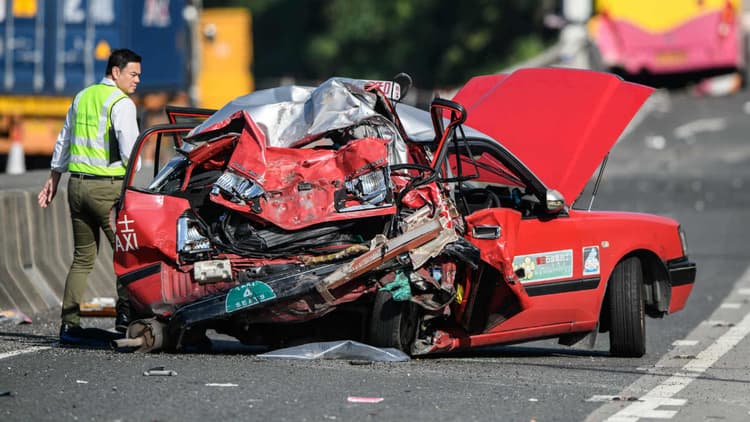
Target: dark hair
{"x":120,"y":58}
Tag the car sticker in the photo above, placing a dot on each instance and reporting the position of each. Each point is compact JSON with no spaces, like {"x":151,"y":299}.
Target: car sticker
{"x":126,"y":238}
{"x":390,"y":89}
{"x":247,"y":295}
{"x":591,"y":260}
{"x":545,"y":265}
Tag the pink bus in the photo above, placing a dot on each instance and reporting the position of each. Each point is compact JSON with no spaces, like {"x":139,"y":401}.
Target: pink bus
{"x":661,"y":37}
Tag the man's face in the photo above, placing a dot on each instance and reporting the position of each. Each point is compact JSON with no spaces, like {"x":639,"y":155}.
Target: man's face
{"x":127,"y":78}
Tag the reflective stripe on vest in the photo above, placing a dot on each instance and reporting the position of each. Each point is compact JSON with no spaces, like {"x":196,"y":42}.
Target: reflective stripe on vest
{"x":89,"y":149}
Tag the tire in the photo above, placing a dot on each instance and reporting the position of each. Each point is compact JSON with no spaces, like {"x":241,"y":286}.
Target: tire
{"x":392,"y":323}
{"x":627,"y":333}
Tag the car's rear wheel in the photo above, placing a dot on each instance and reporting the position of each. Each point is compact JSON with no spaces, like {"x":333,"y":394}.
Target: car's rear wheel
{"x":393,"y":323}
{"x":627,"y":333}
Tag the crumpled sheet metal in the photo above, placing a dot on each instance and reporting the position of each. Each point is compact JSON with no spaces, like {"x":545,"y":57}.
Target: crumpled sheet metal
{"x":290,"y":113}
{"x":343,"y":349}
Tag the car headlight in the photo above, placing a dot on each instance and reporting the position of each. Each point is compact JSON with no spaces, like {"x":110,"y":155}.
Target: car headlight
{"x":683,"y":241}
{"x":370,"y":190}
{"x":190,"y":240}
{"x":238,"y":188}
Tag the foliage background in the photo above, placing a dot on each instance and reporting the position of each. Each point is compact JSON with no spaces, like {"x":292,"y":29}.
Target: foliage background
{"x":439,"y":43}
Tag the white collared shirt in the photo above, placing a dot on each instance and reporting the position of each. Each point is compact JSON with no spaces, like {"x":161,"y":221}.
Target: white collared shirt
{"x":124,"y":120}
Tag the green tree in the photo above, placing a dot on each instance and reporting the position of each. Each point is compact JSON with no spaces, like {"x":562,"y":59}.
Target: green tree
{"x":438,"y":42}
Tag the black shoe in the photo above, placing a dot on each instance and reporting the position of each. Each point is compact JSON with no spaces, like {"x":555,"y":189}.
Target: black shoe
{"x":74,"y":335}
{"x":122,"y":320}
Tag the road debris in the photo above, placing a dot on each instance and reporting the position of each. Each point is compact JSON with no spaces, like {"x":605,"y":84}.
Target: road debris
{"x":14,"y":315}
{"x":343,"y":349}
{"x":605,"y":398}
{"x":159,"y":371}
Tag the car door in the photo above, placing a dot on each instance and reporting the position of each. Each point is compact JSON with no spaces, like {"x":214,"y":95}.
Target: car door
{"x":552,"y":284}
{"x":187,"y":115}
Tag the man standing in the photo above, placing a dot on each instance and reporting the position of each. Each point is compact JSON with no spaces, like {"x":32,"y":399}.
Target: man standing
{"x":94,"y":145}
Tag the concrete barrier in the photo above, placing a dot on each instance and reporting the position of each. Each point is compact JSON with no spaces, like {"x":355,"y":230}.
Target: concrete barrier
{"x":37,"y":249}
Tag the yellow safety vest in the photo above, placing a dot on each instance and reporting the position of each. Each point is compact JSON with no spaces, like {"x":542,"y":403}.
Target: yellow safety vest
{"x":91,"y":150}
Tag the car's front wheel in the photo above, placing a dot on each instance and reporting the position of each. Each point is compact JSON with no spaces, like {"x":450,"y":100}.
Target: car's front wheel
{"x":627,"y":333}
{"x":393,"y":323}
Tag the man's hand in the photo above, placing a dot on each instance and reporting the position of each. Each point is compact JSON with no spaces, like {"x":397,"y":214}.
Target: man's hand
{"x":49,"y":190}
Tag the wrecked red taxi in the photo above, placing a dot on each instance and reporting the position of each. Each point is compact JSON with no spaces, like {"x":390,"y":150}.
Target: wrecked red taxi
{"x":295,"y":214}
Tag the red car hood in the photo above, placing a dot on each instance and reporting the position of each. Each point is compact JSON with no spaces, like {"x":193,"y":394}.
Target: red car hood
{"x":560,"y":122}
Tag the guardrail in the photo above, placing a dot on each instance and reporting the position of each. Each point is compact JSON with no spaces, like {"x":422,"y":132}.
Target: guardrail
{"x":36,"y":250}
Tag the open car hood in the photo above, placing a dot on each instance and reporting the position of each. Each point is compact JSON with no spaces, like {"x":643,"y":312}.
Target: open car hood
{"x":560,"y":122}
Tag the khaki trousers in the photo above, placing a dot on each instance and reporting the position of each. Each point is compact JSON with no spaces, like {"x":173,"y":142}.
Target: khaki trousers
{"x":90,"y":201}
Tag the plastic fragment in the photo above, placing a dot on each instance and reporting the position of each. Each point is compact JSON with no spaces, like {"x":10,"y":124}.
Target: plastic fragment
{"x":624,"y":398}
{"x":14,"y":315}
{"x":399,"y":288}
{"x":684,"y":357}
{"x":342,"y":349}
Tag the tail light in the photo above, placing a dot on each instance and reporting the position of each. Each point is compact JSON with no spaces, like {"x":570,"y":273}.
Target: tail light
{"x":683,"y":241}
{"x":727,"y":19}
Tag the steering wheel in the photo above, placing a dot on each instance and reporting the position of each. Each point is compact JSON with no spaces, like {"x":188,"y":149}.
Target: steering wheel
{"x":491,"y":200}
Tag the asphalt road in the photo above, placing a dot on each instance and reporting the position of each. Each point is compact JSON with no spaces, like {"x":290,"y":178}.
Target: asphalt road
{"x":688,"y":158}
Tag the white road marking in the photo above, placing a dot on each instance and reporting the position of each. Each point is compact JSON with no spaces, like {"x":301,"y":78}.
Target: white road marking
{"x":684,"y":343}
{"x":717,"y":323}
{"x":23,"y":351}
{"x":645,"y":407}
{"x":730,"y":305}
{"x":662,"y":394}
{"x":745,"y":292}
{"x":688,"y":130}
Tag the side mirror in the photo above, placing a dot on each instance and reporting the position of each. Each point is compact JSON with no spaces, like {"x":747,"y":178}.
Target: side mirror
{"x":438,"y":108}
{"x":555,"y":202}
{"x":404,"y":82}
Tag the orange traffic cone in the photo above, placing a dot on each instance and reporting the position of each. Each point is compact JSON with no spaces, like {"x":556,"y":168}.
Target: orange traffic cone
{"x":16,"y":157}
